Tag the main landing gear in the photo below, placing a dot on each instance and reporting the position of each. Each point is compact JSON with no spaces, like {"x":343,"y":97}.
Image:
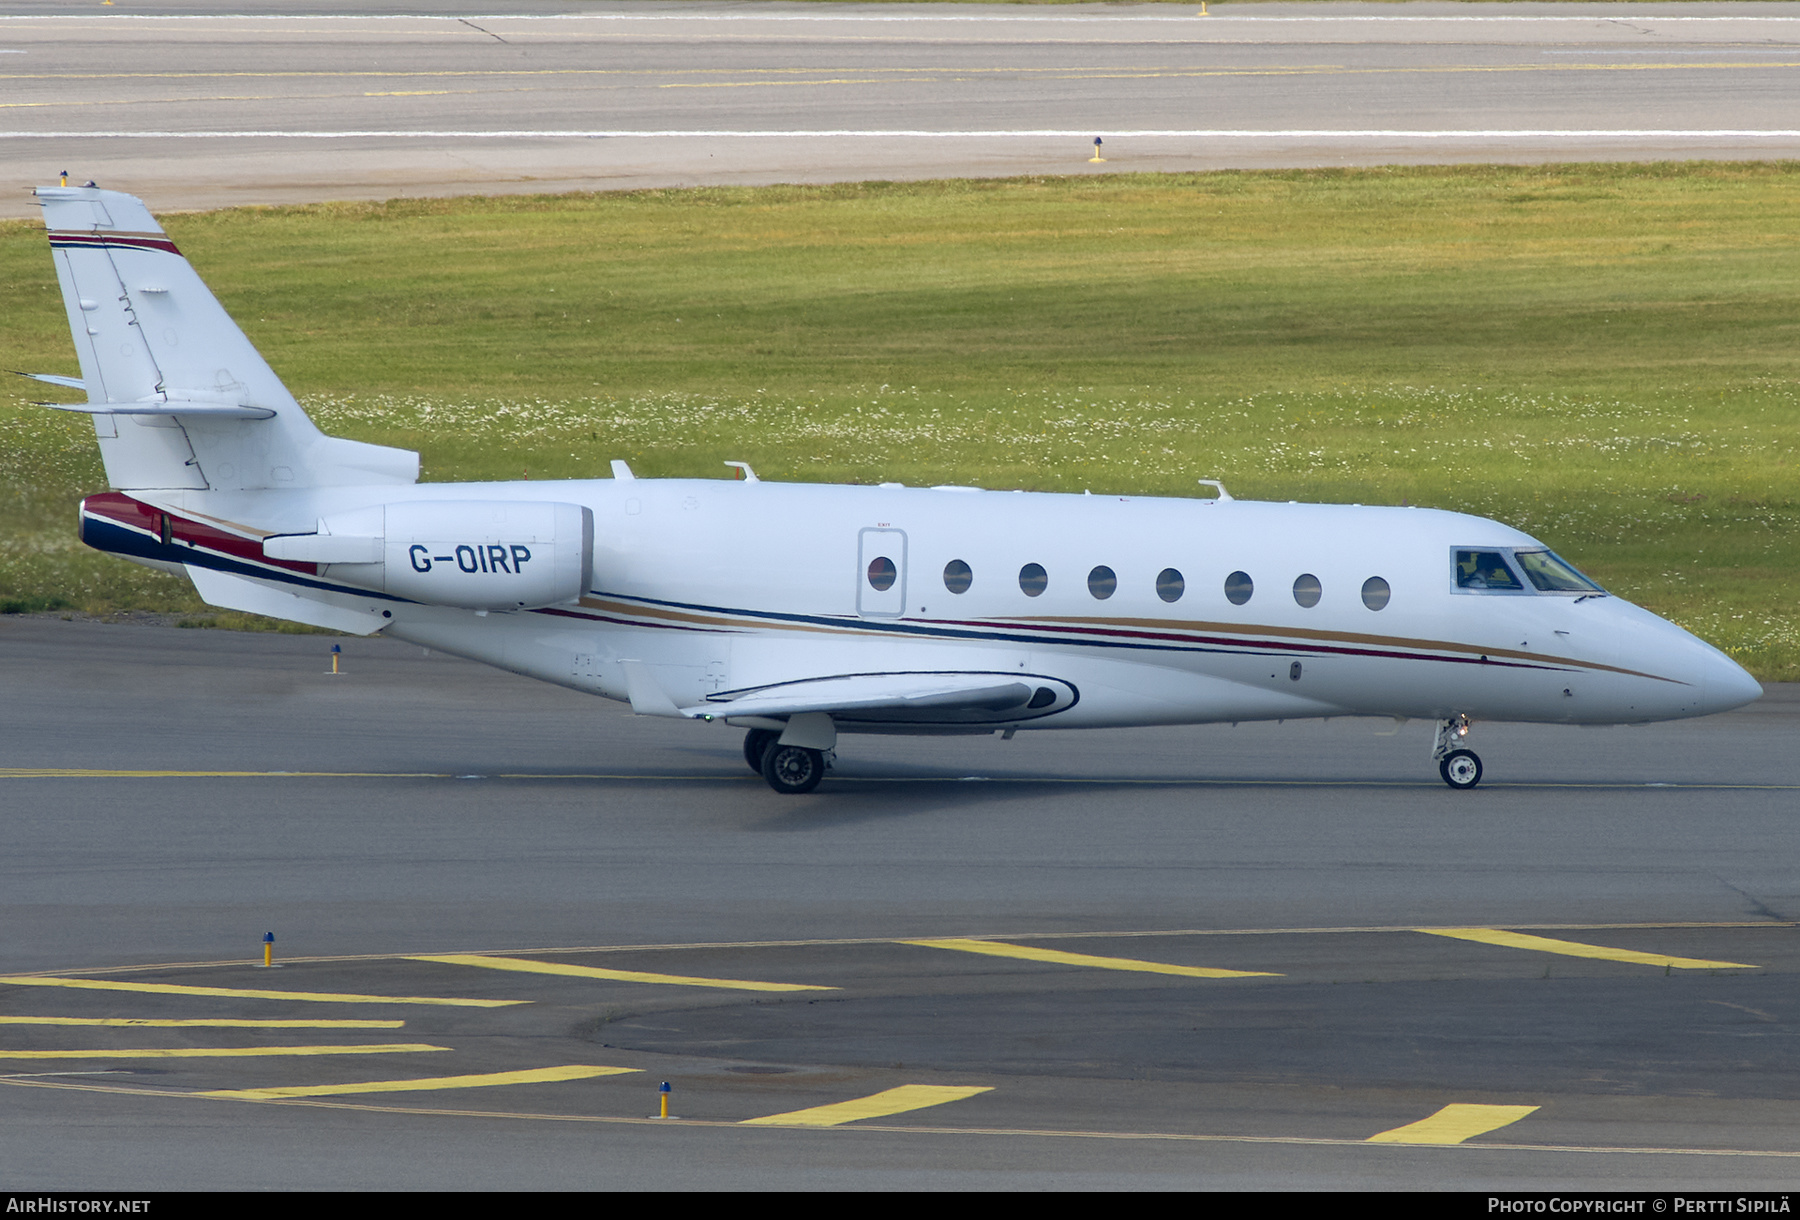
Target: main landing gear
{"x":1460,"y":768}
{"x":792,"y":770}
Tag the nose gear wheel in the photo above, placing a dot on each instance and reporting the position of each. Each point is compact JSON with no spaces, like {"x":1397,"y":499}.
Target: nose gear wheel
{"x":1461,"y":769}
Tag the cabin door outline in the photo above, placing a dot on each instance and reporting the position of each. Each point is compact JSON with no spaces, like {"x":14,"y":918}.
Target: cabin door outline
{"x":873,"y":545}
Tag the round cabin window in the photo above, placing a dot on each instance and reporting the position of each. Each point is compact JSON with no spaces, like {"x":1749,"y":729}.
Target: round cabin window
{"x":1375,"y":593}
{"x":1238,"y":588}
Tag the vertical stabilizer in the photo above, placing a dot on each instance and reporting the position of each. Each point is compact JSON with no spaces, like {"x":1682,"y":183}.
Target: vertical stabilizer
{"x":180,"y":398}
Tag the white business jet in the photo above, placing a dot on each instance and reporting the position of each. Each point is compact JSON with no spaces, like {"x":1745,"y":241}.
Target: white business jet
{"x":801,"y":612}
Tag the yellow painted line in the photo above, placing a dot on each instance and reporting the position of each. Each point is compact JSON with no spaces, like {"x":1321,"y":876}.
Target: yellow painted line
{"x":917,"y":1129}
{"x":788,"y":84}
{"x":976,"y":71}
{"x":96,"y":773}
{"x":1570,"y":948}
{"x":994,"y":948}
{"x":486,"y":1080}
{"x":876,"y":1105}
{"x":230,"y":1052}
{"x":618,"y":976}
{"x":1454,"y":1124}
{"x":1021,"y":934}
{"x":200,"y":1023}
{"x":241,"y":993}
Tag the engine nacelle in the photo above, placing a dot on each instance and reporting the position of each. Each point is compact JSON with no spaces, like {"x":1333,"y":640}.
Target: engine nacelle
{"x":472,"y":554}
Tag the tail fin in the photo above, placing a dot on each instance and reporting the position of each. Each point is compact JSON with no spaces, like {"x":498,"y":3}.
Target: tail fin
{"x":180,"y":398}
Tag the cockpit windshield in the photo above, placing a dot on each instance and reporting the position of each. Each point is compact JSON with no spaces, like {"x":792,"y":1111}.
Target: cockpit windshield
{"x":1499,"y":571}
{"x":1551,"y":573}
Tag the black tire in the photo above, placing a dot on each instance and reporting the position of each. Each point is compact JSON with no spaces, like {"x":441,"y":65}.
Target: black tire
{"x":1461,"y":769}
{"x":793,"y":770}
{"x":756,"y":744}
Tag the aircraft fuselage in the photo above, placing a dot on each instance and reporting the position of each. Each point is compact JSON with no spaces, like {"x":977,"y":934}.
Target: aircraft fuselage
{"x":718,"y":586}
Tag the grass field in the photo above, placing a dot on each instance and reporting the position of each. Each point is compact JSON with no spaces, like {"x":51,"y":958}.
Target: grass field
{"x":1605,"y":355}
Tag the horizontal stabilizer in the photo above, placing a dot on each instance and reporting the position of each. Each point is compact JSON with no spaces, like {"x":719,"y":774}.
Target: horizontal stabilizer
{"x":209,"y":410}
{"x":917,"y":698}
{"x":73,"y":383}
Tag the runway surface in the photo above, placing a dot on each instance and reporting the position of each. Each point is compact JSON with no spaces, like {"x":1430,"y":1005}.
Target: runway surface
{"x":193,"y":105}
{"x":1214,"y":957}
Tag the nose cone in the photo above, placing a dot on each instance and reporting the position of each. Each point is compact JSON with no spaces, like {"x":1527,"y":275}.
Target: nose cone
{"x":1726,"y":685}
{"x":1687,"y":676}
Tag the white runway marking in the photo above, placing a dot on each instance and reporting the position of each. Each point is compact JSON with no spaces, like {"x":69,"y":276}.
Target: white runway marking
{"x":711,"y":16}
{"x":1627,"y":134}
{"x":1023,"y":133}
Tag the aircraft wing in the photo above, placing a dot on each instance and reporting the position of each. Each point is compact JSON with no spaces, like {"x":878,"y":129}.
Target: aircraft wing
{"x":901,"y":698}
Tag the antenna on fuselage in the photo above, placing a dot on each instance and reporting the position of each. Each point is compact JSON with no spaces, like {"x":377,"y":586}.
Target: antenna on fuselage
{"x":1224,"y":496}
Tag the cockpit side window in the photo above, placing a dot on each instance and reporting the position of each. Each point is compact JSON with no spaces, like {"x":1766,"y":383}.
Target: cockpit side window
{"x":1485,"y":570}
{"x":1551,"y":573}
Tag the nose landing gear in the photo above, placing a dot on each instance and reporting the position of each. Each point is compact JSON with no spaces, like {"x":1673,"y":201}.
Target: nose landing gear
{"x":1460,"y":768}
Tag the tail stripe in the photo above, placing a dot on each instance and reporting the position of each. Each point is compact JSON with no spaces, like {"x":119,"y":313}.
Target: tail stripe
{"x":123,"y":525}
{"x":68,"y":239}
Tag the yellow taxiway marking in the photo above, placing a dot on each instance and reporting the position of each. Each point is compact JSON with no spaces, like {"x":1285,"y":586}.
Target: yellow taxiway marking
{"x":1454,"y":1124}
{"x":573,"y":1071}
{"x":200,"y":1023}
{"x":620,"y":976}
{"x":1570,"y":948}
{"x":96,"y":773}
{"x":230,"y":1052}
{"x":242,"y":993}
{"x":930,"y":73}
{"x":1056,"y":1133}
{"x":1020,"y":934}
{"x":876,"y":1105}
{"x":994,"y":948}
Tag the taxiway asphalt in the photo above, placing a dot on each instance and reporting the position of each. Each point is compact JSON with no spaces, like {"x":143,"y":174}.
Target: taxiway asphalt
{"x":194,"y":105}
{"x":1189,"y":957}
